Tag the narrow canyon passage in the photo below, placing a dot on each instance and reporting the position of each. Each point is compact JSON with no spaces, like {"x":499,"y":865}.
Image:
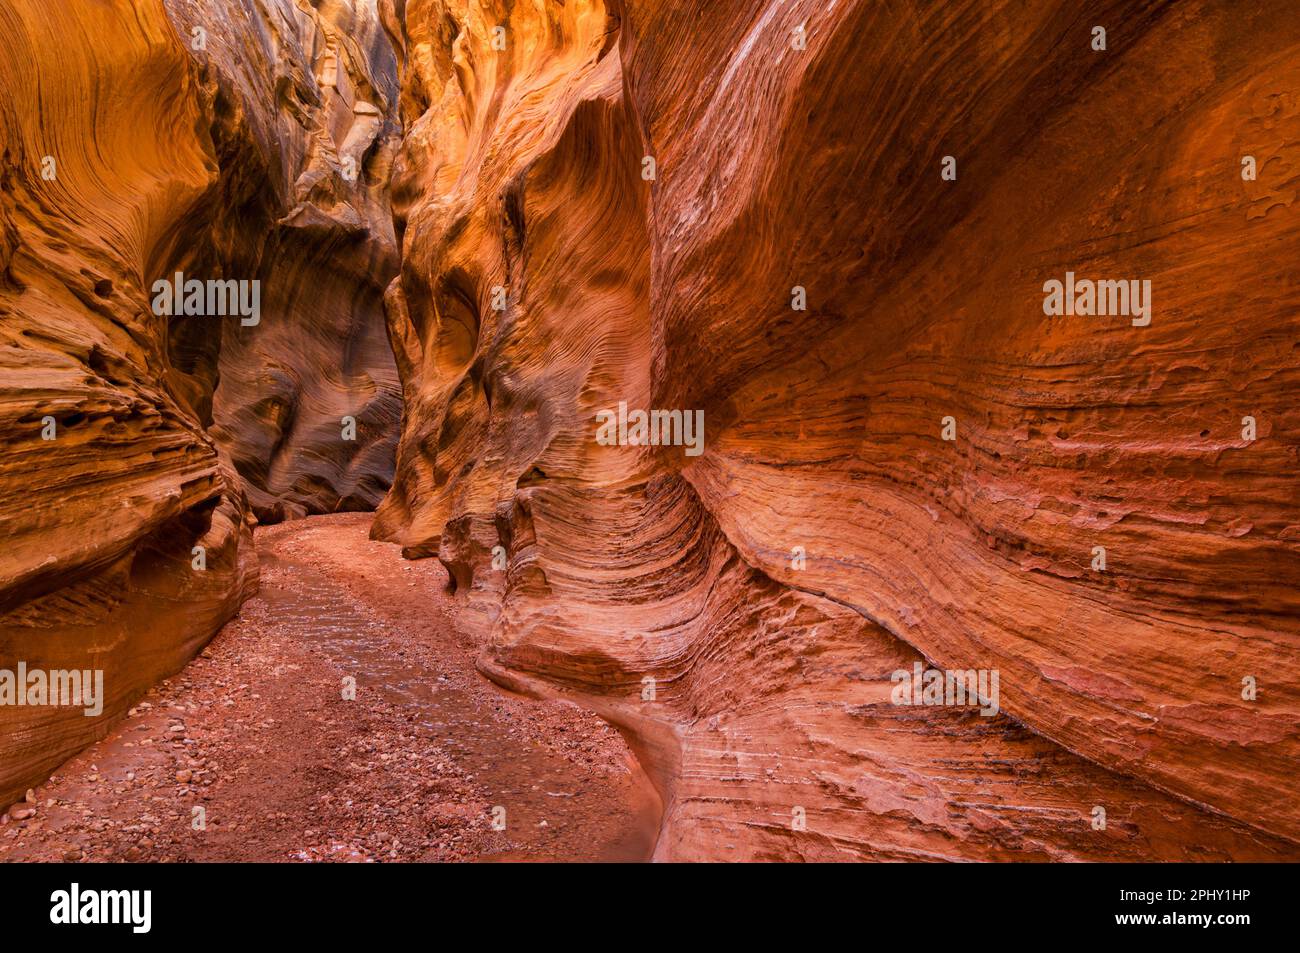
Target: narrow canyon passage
{"x":257,"y":733}
{"x":879,"y":418}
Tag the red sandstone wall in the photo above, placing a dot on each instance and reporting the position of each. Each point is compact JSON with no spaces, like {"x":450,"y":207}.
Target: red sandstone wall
{"x":820,"y":167}
{"x":219,"y":159}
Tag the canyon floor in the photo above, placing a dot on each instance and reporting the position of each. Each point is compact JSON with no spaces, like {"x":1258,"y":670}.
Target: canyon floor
{"x":257,"y":733}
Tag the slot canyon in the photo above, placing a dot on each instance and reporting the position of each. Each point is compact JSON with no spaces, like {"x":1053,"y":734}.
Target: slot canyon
{"x":615,"y":404}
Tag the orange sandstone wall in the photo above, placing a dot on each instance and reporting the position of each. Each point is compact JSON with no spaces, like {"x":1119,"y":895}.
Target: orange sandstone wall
{"x":740,"y":613}
{"x":133,"y":149}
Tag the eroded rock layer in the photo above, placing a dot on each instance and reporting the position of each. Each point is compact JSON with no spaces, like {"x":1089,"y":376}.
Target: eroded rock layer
{"x":247,"y":141}
{"x":305,"y":105}
{"x":604,"y":204}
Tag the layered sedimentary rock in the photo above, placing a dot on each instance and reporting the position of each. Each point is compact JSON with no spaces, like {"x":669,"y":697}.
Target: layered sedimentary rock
{"x":242,"y":141}
{"x":628,"y":203}
{"x":305,"y":104}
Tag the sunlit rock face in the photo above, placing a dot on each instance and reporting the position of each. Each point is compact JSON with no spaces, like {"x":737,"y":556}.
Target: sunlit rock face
{"x":136,"y":148}
{"x":742,"y":613}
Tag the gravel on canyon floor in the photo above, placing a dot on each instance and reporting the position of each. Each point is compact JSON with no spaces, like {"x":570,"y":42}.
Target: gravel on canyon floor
{"x":254,"y":753}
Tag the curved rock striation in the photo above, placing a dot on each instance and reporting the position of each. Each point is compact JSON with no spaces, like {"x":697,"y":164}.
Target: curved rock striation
{"x":304,"y":107}
{"x":217,"y":140}
{"x":830,"y":228}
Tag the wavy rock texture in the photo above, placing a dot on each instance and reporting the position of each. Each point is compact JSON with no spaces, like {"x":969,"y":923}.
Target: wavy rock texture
{"x":820,"y":167}
{"x":304,"y":109}
{"x":220,"y":158}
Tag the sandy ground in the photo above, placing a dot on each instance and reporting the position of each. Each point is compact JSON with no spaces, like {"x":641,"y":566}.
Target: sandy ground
{"x":252,"y":753}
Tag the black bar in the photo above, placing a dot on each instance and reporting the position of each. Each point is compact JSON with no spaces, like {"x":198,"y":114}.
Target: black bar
{"x":669,"y":904}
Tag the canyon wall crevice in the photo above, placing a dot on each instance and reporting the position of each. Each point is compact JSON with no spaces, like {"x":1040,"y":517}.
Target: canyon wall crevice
{"x":828,"y":535}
